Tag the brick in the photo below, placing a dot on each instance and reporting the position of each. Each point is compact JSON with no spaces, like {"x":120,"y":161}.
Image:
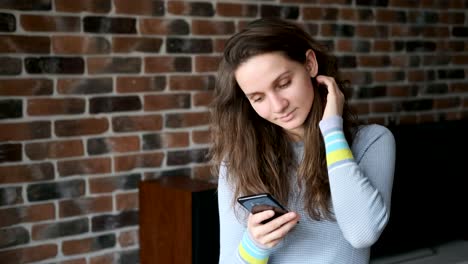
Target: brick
{"x":55,"y":190}
{"x":236,"y":10}
{"x":11,"y":109}
{"x":417,"y":105}
{"x":44,"y":23}
{"x":54,"y":65}
{"x":187,"y":119}
{"x":190,"y":8}
{"x":447,"y":103}
{"x":207,"y":63}
{"x":381,"y":107}
{"x":165,"y":140}
{"x":26,"y":214}
{"x":202,"y":98}
{"x":60,"y":229}
{"x":452,"y":17}
{"x":372,"y":2}
{"x":129,"y":256}
{"x":284,"y":12}
{"x":103,"y":65}
{"x":437,"y":88}
{"x":374,"y":61}
{"x":84,"y":206}
{"x":84,"y":85}
{"x":201,"y":137}
{"x":451,"y":74}
{"x":128,"y":238}
{"x":113,"y":183}
{"x":112,"y":222}
{"x":144,"y":160}
{"x":156,"y":26}
{"x":360,"y":108}
{"x":191,"y":82}
{"x":26,"y":173}
{"x":80,"y":45}
{"x":127,"y":201}
{"x":166,"y":101}
{"x":389,"y":76}
{"x":337,"y":30}
{"x":357,"y":77}
{"x":10,"y":66}
{"x":390,"y":16}
{"x":111,"y":25}
{"x":64,"y":106}
{"x":132,"y":84}
{"x":400,"y":61}
{"x":416,"y":76}
{"x":96,"y":146}
{"x":73,"y":261}
{"x":141,"y":7}
{"x":54,"y":149}
{"x":24,"y":44}
{"x":84,"y":166}
{"x":219,"y":45}
{"x":7,"y":22}
{"x":184,"y":157}
{"x":419,"y":46}
{"x":91,"y":6}
{"x":10,"y":237}
{"x":137,"y":123}
{"x":29,"y":254}
{"x":372,"y":92}
{"x":178,"y":45}
{"x":186,"y":172}
{"x":371,"y":31}
{"x":10,"y":152}
{"x":26,"y":5}
{"x":346,"y":61}
{"x":319,"y":13}
{"x":114,"y":104}
{"x":86,"y":126}
{"x":86,"y":245}
{"x":26,"y":87}
{"x":399,"y":90}
{"x":460,"y":32}
{"x":207,"y":27}
{"x":348,"y":45}
{"x":134,"y":44}
{"x":11,"y":196}
{"x":425,"y":17}
{"x":167,"y":64}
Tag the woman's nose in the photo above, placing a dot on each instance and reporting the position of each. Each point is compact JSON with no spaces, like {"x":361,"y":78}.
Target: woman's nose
{"x":278,"y":103}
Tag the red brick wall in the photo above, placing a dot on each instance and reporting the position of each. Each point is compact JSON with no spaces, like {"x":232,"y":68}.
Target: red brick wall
{"x":97,"y":95}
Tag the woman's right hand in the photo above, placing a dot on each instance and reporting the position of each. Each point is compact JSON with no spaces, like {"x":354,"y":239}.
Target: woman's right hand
{"x":271,"y":233}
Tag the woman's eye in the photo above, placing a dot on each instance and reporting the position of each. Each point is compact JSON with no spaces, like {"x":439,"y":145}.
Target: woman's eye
{"x":257,"y":99}
{"x":284,"y":84}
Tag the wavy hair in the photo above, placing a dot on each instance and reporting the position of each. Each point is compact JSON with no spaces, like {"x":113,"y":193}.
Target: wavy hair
{"x":258,"y":155}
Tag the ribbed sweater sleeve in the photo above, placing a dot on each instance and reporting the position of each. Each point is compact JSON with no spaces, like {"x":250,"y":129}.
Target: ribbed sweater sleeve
{"x":361,"y":202}
{"x":236,"y":244}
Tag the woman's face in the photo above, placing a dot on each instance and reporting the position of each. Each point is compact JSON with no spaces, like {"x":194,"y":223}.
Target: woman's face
{"x":279,"y":89}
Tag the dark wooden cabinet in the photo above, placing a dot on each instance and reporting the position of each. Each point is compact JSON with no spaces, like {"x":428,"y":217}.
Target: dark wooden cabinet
{"x":178,"y":221}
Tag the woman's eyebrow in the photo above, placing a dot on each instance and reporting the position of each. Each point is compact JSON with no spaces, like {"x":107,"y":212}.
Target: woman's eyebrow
{"x":276,"y":80}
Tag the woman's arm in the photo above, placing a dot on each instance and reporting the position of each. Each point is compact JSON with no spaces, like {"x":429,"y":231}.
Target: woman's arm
{"x":360,"y":189}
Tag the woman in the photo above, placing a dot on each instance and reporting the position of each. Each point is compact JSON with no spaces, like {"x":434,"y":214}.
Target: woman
{"x":281,"y":125}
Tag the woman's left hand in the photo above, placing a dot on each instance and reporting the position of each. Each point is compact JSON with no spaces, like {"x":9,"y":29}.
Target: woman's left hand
{"x":335,"y":98}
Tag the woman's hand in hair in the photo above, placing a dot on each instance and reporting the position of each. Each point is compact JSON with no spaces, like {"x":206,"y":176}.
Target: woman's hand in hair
{"x":335,"y":98}
{"x":271,"y":233}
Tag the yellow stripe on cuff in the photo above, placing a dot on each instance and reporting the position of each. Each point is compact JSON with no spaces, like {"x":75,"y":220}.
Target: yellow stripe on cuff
{"x":338,"y":155}
{"x":249,"y":258}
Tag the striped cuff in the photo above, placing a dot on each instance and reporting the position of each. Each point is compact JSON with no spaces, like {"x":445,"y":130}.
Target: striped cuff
{"x":336,"y":146}
{"x":251,"y":253}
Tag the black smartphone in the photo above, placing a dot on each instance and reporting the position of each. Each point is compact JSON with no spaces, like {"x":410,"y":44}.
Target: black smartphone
{"x":260,"y":202}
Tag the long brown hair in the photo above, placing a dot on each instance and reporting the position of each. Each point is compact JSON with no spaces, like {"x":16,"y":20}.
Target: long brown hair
{"x":258,"y":155}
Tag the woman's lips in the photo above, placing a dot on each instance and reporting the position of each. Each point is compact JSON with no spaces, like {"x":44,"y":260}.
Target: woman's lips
{"x":287,"y":117}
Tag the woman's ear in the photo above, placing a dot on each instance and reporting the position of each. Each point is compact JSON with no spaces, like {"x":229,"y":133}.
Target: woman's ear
{"x":311,"y":63}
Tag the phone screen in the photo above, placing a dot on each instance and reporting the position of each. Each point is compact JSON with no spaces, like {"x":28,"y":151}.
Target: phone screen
{"x":260,"y":202}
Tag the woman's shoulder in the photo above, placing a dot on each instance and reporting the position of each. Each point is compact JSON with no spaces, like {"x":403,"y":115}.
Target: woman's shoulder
{"x":368,"y":135}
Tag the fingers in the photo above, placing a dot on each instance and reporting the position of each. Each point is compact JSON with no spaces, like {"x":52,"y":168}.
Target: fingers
{"x":335,"y":98}
{"x":273,"y":232}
